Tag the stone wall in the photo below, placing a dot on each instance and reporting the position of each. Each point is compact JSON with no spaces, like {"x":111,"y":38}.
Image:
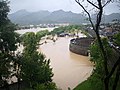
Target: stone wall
{"x":80,"y":45}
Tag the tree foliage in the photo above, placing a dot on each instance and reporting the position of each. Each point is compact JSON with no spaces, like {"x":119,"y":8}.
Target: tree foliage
{"x":29,"y":66}
{"x":8,"y":41}
{"x":41,"y":34}
{"x":67,"y":29}
{"x":96,"y":7}
{"x":48,"y":86}
{"x":35,"y":69}
{"x":99,"y":72}
{"x":117,"y":39}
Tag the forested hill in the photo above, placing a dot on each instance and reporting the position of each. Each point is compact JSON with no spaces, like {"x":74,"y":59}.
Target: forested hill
{"x":60,"y":16}
{"x":24,"y":17}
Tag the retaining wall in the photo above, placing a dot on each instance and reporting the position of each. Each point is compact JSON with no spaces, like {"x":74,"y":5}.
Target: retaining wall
{"x":80,"y":45}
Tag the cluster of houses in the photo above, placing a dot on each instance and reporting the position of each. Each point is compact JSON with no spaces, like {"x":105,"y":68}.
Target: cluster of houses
{"x":81,"y":45}
{"x":105,"y":30}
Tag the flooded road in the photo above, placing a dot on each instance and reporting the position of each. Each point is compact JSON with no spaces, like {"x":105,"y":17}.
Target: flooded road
{"x":69,"y":69}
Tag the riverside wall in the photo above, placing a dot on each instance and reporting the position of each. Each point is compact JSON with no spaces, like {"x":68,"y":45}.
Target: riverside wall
{"x":80,"y":45}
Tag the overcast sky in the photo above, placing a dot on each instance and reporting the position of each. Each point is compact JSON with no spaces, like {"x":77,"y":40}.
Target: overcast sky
{"x":53,"y":5}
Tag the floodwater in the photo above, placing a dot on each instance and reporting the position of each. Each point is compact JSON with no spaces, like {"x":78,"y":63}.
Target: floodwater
{"x":23,"y":31}
{"x":69,"y":69}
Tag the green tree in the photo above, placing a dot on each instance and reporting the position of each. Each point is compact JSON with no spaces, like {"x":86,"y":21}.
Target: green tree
{"x":48,"y":86}
{"x":17,"y":64}
{"x":8,"y":41}
{"x":98,"y":73}
{"x":41,"y":34}
{"x":67,"y":29}
{"x":117,"y":39}
{"x":35,"y":69}
{"x":98,"y":6}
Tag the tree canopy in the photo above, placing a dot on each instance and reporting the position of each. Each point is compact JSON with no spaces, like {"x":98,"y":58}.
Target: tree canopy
{"x":35,"y":69}
{"x":97,"y":7}
{"x":8,"y":43}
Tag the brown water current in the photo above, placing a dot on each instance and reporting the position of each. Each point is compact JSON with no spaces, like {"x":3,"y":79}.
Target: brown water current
{"x":69,"y":69}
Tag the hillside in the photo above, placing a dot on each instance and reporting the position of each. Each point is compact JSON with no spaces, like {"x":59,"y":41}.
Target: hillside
{"x":24,"y":17}
{"x":60,"y":16}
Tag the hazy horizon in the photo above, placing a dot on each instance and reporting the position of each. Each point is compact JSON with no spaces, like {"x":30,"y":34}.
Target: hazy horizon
{"x":54,"y":5}
{"x":55,"y":10}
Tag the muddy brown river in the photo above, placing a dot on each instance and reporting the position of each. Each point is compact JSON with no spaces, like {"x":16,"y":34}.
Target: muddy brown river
{"x":69,"y":69}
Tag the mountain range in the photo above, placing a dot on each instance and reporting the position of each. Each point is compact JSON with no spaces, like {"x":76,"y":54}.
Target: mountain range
{"x":24,"y":17}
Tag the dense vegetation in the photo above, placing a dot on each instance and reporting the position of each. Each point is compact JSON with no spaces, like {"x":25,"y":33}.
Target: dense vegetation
{"x":41,"y":74}
{"x":108,"y":71}
{"x":8,"y":41}
{"x":96,"y":80}
{"x":41,"y":34}
{"x":67,"y":29}
{"x":28,"y":66}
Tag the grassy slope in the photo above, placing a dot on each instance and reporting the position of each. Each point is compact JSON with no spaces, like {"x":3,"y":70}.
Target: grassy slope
{"x":86,"y":85}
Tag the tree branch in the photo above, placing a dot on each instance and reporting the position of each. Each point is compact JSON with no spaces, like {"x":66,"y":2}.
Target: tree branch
{"x":93,"y":4}
{"x":99,"y":16}
{"x":77,"y":1}
{"x":106,"y":3}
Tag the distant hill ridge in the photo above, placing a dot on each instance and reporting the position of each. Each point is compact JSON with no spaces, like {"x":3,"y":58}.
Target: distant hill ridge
{"x":24,"y":17}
